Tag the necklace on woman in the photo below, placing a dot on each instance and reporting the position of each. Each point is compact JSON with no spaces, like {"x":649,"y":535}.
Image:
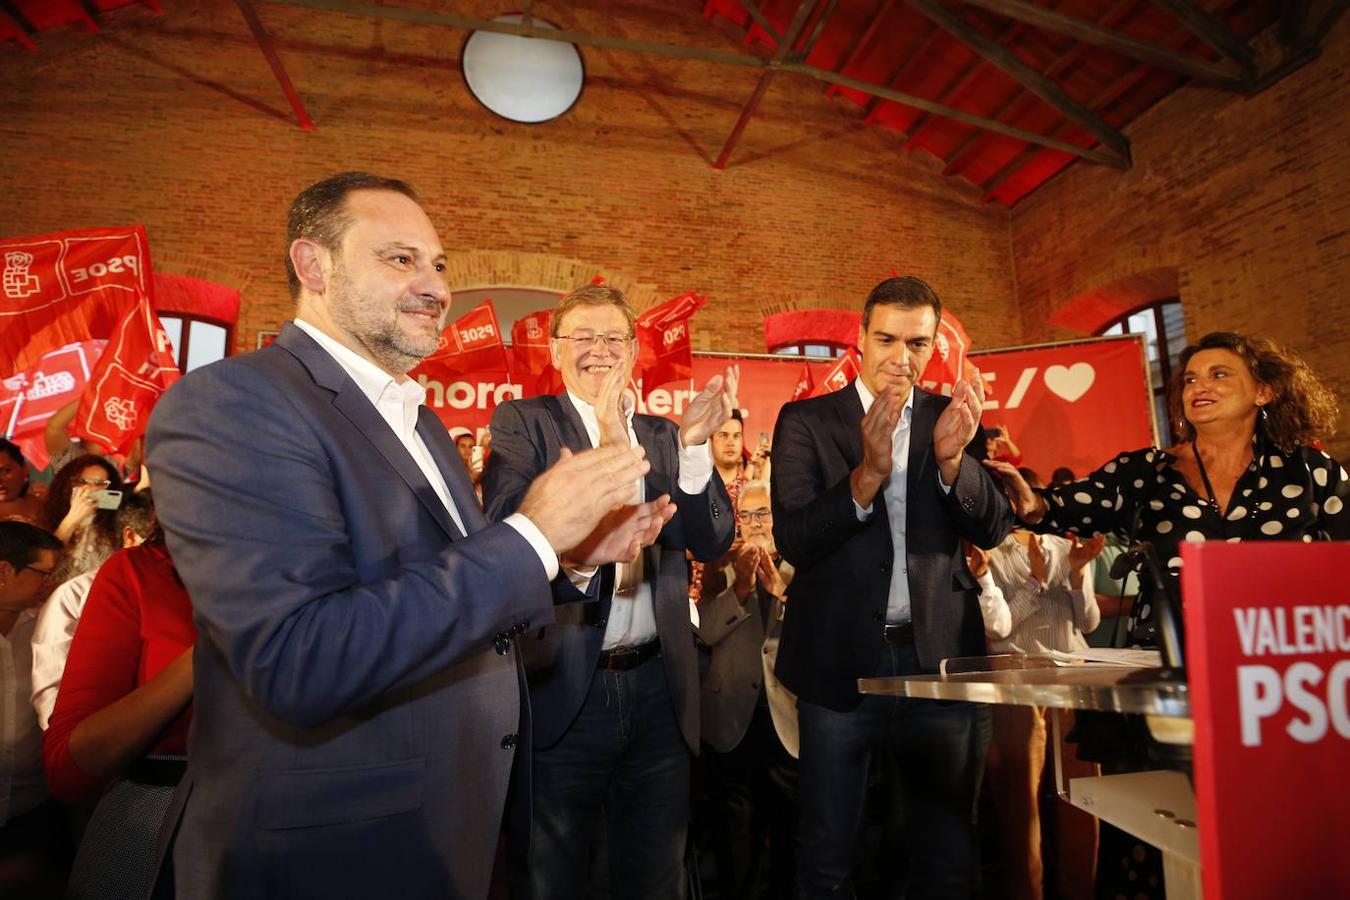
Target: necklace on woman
{"x":1204,"y":478}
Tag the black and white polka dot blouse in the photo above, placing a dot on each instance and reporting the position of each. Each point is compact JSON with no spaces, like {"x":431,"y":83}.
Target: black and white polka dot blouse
{"x":1298,"y":496}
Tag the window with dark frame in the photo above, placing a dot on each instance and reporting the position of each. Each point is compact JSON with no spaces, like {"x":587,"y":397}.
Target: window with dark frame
{"x":822,"y":350}
{"x":197,"y":340}
{"x":1164,"y":328}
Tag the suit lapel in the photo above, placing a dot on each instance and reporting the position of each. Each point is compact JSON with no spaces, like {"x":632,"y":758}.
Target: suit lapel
{"x":921,"y":425}
{"x":567,"y":423}
{"x":358,"y":409}
{"x":451,"y":466}
{"x":850,"y":412}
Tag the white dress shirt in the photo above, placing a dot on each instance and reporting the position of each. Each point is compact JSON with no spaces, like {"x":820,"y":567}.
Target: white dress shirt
{"x":398,"y":403}
{"x":896,"y":492}
{"x":23,"y":786}
{"x":1023,"y":615}
{"x":52,"y":637}
{"x":632,"y":618}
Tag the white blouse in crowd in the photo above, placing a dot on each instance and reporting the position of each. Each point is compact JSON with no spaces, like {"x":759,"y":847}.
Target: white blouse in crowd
{"x":1022,"y":615}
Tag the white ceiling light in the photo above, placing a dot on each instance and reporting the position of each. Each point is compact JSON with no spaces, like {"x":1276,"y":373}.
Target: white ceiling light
{"x":519,"y":78}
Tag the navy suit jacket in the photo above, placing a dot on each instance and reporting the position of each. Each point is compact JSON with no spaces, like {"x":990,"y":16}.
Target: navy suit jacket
{"x":354,"y":727}
{"x":560,"y":659}
{"x":837,"y":602}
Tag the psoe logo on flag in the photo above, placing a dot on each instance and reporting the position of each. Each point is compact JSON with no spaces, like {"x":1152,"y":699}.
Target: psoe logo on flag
{"x":121,"y":412}
{"x":17,"y":281}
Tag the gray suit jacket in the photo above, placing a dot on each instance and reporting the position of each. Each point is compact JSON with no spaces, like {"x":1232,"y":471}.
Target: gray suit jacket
{"x":354,"y":726}
{"x":743,"y":649}
{"x":527,"y":437}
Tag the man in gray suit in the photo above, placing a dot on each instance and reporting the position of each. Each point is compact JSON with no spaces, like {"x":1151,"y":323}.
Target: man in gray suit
{"x":357,"y":705}
{"x":749,"y":718}
{"x":615,"y":683}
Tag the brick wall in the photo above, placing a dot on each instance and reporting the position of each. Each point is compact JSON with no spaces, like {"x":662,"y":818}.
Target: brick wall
{"x":177,"y":122}
{"x":1245,"y":201}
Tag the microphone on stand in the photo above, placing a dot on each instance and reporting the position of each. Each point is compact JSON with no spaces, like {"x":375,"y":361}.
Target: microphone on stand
{"x":1141,"y":557}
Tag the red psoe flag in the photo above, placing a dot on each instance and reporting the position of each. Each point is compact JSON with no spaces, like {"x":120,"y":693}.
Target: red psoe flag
{"x":805,"y":383}
{"x":531,"y":363}
{"x":472,"y":343}
{"x":841,"y":373}
{"x":665,"y":352}
{"x":67,"y":287}
{"x":948,"y":362}
{"x":136,"y":367}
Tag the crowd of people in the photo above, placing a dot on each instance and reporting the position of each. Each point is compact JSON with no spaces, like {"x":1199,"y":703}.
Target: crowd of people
{"x":339,"y":651}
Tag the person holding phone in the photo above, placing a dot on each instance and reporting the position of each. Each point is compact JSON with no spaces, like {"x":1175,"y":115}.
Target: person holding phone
{"x":72,"y":512}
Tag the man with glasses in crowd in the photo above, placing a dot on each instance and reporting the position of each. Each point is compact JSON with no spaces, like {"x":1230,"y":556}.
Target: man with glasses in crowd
{"x":614,"y":684}
{"x":749,"y":718}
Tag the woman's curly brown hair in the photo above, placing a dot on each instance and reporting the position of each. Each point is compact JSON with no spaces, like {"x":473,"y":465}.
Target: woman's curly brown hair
{"x":1303,"y":410}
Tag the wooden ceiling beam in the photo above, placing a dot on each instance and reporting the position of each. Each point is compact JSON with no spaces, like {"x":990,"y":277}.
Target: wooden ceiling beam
{"x":428,"y":17}
{"x":1017,"y":103}
{"x":1212,"y":30}
{"x":963,"y":80}
{"x":269,"y":52}
{"x":780,"y":54}
{"x":1228,"y":77}
{"x":762,"y":20}
{"x":1012,"y":65}
{"x":860,"y":43}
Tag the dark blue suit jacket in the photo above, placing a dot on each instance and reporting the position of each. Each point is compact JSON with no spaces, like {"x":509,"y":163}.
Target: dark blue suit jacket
{"x":560,"y":659}
{"x":354,"y":726}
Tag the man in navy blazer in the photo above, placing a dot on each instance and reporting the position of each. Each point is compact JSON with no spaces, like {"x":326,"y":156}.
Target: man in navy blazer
{"x":614,"y":684}
{"x":874,"y":487}
{"x":357,"y":705}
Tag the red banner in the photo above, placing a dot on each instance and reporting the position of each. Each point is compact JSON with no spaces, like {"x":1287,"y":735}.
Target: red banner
{"x":137,"y":367}
{"x":806,"y":383}
{"x":67,"y":287}
{"x":30,"y":397}
{"x":665,"y":352}
{"x":1268,"y":644}
{"x":948,"y":362}
{"x":820,"y":325}
{"x":1072,"y":404}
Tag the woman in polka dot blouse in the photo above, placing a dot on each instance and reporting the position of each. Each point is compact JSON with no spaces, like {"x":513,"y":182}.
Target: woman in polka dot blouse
{"x":1244,"y":470}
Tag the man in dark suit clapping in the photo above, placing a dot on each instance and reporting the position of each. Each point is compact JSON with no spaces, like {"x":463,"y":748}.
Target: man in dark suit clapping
{"x":874,"y":486}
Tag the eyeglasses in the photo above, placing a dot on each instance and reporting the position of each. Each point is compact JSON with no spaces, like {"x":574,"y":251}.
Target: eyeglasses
{"x":612,"y":339}
{"x":45,"y":573}
{"x":758,"y":516}
{"x":92,"y":482}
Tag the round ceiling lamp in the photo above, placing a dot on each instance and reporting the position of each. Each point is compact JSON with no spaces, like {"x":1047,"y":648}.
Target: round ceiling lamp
{"x":522,"y":79}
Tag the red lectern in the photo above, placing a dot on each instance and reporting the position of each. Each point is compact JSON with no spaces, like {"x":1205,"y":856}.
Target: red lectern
{"x":1268,"y":657}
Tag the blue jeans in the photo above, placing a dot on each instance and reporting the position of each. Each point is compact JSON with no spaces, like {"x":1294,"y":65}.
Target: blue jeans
{"x":621,"y":768}
{"x":937,"y":749}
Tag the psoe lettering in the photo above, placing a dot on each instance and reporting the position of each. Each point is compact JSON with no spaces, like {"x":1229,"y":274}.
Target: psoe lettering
{"x":1317,"y":701}
{"x":114,"y":266}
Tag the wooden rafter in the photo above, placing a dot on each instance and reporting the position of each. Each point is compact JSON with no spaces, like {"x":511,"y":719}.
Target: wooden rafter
{"x":860,"y":42}
{"x":779,"y":55}
{"x":431,"y":17}
{"x":1017,"y":103}
{"x":269,"y":52}
{"x":1212,"y":30}
{"x":761,"y":20}
{"x":902,"y":69}
{"x":1045,"y":88}
{"x":1227,"y":76}
{"x":963,"y":80}
{"x":819,"y":28}
{"x":1107,"y":95}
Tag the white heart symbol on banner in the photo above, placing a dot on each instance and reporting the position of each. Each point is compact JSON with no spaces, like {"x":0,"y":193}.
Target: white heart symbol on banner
{"x":1070,"y":382}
